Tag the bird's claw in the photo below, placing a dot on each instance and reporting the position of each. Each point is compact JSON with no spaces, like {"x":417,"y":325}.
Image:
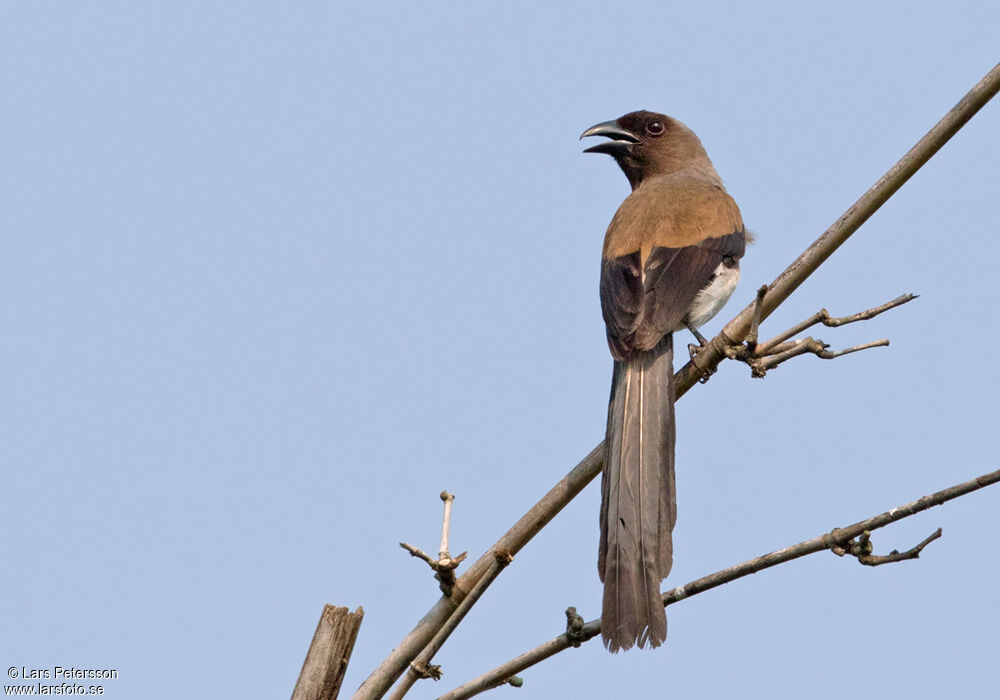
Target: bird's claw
{"x":693,"y":352}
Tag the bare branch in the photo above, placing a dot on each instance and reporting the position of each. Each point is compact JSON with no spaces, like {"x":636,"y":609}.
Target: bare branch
{"x":839,"y":539}
{"x":823,"y":316}
{"x":418,"y":553}
{"x":870,"y":313}
{"x":766,"y":356}
{"x":421,"y":666}
{"x":786,"y":351}
{"x":828,"y":355}
{"x":382,"y":678}
{"x":772,"y":346}
{"x":862,"y":549}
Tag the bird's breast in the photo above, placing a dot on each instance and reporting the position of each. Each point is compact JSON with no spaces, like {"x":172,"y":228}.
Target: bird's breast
{"x":715,"y":294}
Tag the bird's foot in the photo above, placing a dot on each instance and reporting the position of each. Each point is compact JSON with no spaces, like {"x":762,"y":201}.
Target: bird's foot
{"x":693,"y":352}
{"x":702,"y":341}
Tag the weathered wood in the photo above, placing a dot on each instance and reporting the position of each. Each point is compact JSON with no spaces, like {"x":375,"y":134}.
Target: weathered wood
{"x":326,"y":661}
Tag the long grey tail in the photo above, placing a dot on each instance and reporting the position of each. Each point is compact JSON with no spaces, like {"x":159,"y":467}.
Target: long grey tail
{"x":638,"y":508}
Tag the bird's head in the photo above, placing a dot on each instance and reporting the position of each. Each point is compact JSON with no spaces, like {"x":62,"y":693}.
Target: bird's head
{"x":647,"y":143}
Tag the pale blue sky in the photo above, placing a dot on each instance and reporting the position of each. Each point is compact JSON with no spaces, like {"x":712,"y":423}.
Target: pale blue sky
{"x":274,"y":275}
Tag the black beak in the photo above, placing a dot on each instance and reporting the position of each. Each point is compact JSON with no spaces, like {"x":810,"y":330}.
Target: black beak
{"x":621,"y":141}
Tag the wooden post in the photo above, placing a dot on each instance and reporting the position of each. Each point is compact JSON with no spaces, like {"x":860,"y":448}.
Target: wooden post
{"x":326,"y":661}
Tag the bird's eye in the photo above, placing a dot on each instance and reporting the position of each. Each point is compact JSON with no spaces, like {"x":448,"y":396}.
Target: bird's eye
{"x":655,"y":128}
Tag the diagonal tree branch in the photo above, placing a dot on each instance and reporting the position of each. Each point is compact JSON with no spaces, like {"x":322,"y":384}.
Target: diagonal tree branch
{"x":389,"y":671}
{"x":840,"y":540}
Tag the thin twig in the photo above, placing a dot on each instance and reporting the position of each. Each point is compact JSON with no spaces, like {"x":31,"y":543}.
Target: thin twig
{"x":870,"y":313}
{"x":839,"y":538}
{"x":418,"y":553}
{"x":766,"y":356}
{"x":790,"y":350}
{"x":803,"y":346}
{"x":823,"y":316}
{"x":448,"y":499}
{"x":751,"y":342}
{"x":382,"y":678}
{"x":834,"y":354}
{"x":771,"y":346}
{"x":862,"y":549}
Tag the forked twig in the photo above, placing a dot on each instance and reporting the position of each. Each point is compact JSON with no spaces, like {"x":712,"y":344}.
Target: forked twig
{"x":444,"y":566}
{"x":760,"y":366}
{"x":766,"y":356}
{"x":862,"y":550}
{"x":823,"y":316}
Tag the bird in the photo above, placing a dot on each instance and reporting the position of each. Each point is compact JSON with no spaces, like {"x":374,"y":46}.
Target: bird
{"x":671,"y":260}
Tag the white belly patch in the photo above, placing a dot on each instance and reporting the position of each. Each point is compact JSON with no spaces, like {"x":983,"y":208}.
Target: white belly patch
{"x":714,"y":296}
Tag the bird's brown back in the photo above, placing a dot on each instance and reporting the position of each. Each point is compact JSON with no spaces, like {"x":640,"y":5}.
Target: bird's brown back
{"x":671,"y":211}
